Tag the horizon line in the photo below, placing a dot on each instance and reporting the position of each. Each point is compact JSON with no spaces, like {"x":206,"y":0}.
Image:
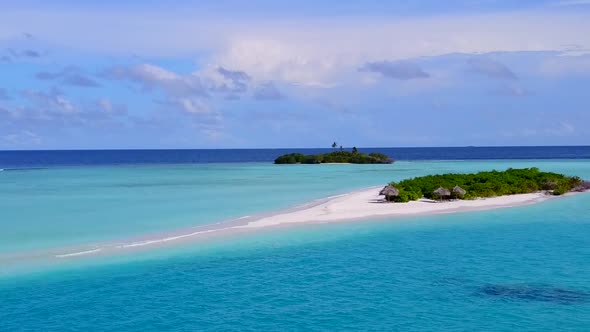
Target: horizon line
{"x":297,"y":148}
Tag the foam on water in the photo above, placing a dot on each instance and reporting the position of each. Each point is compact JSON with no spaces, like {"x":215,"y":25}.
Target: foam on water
{"x":79,"y":253}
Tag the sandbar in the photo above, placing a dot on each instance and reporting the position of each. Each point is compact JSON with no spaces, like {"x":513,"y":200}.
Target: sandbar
{"x":366,"y":204}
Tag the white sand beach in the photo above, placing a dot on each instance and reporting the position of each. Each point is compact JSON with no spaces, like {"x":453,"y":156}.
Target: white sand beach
{"x":367,"y":203}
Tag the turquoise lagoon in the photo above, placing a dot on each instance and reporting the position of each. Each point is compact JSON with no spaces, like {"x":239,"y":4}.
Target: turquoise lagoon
{"x":524,"y":268}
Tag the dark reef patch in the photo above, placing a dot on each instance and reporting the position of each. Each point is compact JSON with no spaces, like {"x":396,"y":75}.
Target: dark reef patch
{"x":535,"y":292}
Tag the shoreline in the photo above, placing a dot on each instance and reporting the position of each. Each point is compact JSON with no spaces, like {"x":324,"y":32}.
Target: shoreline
{"x":357,"y":206}
{"x":367,"y":204}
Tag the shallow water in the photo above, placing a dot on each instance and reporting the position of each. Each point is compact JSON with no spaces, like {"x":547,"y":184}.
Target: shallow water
{"x":45,"y":208}
{"x":525,"y":268}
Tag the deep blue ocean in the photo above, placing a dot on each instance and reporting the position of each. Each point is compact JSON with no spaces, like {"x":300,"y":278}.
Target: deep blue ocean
{"x":514,"y":269}
{"x":23,"y":159}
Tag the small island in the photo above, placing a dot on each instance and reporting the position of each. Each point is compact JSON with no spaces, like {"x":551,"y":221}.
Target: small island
{"x":335,"y":157}
{"x":433,"y":194}
{"x":482,"y":185}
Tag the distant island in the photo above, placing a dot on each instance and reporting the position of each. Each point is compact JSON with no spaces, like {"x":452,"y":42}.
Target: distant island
{"x":482,"y":184}
{"x":336,"y":157}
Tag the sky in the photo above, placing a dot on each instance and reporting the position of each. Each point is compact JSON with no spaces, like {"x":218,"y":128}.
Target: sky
{"x":268,"y":74}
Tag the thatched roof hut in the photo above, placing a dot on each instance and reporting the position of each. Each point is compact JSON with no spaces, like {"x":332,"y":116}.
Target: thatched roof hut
{"x":386,"y":189}
{"x":389,"y":192}
{"x":441,"y":192}
{"x":458,"y":191}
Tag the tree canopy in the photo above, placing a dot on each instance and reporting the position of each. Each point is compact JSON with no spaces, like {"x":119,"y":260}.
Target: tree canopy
{"x":334,"y":157}
{"x":487,"y":184}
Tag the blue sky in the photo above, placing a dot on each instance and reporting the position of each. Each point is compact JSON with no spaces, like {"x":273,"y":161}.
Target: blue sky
{"x":236,"y":74}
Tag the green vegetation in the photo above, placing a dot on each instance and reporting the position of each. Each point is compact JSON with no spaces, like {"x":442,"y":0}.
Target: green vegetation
{"x":342,"y":157}
{"x":354,"y":157}
{"x":486,"y":184}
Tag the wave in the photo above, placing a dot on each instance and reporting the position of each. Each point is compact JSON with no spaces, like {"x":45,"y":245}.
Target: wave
{"x":78,"y":253}
{"x":167,"y":239}
{"x":110,"y":248}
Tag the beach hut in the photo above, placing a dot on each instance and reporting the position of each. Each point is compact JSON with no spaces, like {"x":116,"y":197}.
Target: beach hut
{"x":441,"y":193}
{"x":458,"y":192}
{"x":389,"y":192}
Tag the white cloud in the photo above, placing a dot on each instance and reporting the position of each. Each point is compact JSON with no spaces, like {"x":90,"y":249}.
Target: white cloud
{"x":399,"y":70}
{"x":53,"y":101}
{"x":279,"y":60}
{"x":154,"y":73}
{"x":192,"y":105}
{"x":320,"y":53}
{"x":315,"y":52}
{"x":220,"y":79}
{"x":151,"y":77}
{"x":21,"y":138}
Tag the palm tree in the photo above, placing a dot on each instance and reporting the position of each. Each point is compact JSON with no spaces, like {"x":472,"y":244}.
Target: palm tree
{"x":334,"y":145}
